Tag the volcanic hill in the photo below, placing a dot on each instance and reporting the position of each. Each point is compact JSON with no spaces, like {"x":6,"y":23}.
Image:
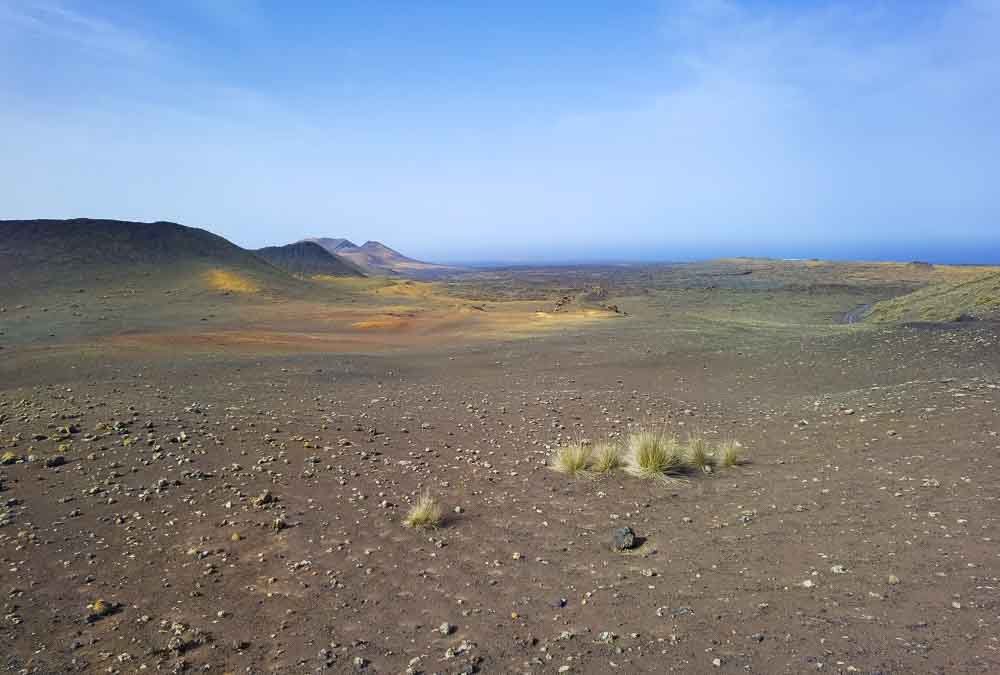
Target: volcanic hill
{"x":86,"y":252}
{"x":378,"y":259}
{"x":306,"y":259}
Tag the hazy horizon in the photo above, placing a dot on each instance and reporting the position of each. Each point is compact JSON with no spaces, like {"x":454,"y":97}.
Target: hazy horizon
{"x":516,"y":134}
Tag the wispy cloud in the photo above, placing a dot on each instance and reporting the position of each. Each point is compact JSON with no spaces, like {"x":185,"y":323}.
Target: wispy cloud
{"x":86,"y":29}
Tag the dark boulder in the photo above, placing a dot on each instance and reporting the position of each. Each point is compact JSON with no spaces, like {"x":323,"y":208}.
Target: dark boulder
{"x":623,"y":539}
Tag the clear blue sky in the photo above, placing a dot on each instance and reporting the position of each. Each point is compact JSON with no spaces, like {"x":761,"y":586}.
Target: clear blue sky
{"x":515,"y":130}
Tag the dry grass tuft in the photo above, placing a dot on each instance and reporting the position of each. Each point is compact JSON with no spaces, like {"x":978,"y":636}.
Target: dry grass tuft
{"x":426,"y":514}
{"x":698,"y":455}
{"x":648,"y":454}
{"x":572,"y":459}
{"x":607,"y":458}
{"x":653,"y":454}
{"x":730,"y":453}
{"x":99,"y":609}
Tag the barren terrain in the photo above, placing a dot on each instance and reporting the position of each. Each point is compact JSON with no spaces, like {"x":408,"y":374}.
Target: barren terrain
{"x":211,"y":475}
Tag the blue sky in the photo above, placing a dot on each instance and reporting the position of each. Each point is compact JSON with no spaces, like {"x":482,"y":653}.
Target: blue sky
{"x":519,"y":131}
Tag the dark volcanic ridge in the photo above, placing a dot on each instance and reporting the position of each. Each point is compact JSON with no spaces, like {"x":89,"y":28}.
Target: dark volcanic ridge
{"x":333,"y":244}
{"x":307,"y":258}
{"x":85,"y":249}
{"x":90,"y":241}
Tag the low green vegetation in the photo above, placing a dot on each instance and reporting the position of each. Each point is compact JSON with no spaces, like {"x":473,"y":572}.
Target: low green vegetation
{"x":978,"y":298}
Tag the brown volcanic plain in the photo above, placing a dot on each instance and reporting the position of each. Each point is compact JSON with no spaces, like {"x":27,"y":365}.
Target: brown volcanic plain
{"x":207,"y":462}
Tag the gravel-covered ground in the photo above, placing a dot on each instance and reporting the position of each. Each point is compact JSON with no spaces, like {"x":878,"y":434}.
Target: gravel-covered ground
{"x":232,"y":512}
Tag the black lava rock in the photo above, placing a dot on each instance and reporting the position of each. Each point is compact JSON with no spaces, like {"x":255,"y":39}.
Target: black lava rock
{"x":623,"y":539}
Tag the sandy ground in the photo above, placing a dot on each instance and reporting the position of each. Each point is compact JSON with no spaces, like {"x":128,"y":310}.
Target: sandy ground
{"x":239,"y":509}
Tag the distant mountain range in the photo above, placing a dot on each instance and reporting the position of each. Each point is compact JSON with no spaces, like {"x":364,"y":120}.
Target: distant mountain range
{"x":377,"y":259}
{"x":333,"y":245}
{"x":84,"y":252}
